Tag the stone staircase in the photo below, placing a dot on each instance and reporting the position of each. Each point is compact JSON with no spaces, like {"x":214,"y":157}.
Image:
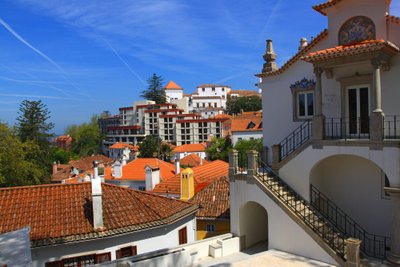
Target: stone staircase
{"x":300,"y":209}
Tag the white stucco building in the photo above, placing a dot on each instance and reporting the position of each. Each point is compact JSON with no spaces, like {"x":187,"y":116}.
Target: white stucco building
{"x":331,"y":134}
{"x":87,"y":223}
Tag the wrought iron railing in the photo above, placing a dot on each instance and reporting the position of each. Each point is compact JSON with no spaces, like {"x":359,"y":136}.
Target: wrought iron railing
{"x":347,"y":128}
{"x":391,"y":127}
{"x":294,"y":140}
{"x":374,"y":246}
{"x":241,"y":160}
{"x":298,"y":205}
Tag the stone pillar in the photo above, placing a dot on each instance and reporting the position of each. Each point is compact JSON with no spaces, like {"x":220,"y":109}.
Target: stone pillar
{"x":377,"y":115}
{"x":353,"y":252}
{"x":394,"y":254}
{"x":318,"y":127}
{"x":251,"y":163}
{"x":233,"y":157}
{"x":276,"y":157}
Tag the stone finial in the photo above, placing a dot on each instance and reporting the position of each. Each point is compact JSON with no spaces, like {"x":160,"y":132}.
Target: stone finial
{"x":303,"y":43}
{"x":269,"y":57}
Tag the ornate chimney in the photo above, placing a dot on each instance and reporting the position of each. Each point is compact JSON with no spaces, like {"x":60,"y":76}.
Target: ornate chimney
{"x":303,"y":43}
{"x":269,"y":58}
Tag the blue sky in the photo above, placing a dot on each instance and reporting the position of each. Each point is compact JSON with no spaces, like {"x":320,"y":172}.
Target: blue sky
{"x":83,"y":57}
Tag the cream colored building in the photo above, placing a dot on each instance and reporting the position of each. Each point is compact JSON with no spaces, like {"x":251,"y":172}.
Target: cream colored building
{"x":331,"y":134}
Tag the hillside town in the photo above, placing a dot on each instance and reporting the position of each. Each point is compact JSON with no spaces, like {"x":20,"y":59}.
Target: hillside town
{"x":304,"y":170}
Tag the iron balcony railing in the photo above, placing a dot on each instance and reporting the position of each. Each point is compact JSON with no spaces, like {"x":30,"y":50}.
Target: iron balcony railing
{"x":374,"y":246}
{"x":298,"y":205}
{"x":294,"y":140}
{"x":347,"y":128}
{"x":391,"y":127}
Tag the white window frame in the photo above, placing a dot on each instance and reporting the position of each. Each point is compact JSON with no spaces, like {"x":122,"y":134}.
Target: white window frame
{"x":305,"y":93}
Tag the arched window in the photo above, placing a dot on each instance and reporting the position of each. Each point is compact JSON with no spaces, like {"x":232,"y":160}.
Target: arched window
{"x":357,"y":29}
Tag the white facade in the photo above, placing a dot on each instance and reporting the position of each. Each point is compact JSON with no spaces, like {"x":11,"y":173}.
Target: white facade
{"x":181,"y":155}
{"x":146,"y":241}
{"x":209,"y":96}
{"x":245,"y":135}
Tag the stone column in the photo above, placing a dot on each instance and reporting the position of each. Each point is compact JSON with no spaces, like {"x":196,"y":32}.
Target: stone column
{"x":251,"y":163}
{"x":394,"y":254}
{"x":377,"y":115}
{"x":353,"y":252}
{"x":233,"y":154}
{"x":276,"y":157}
{"x":318,"y":128}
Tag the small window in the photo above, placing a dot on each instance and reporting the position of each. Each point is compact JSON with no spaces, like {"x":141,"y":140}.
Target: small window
{"x":213,"y":89}
{"x":305,"y":104}
{"x":126,"y":252}
{"x":142,"y":188}
{"x":183,"y":236}
{"x":203,"y":89}
{"x":210,"y":228}
{"x":223,"y":89}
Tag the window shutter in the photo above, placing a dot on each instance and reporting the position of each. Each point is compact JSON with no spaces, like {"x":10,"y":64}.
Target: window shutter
{"x":118,"y":253}
{"x":103,"y":257}
{"x":134,"y":250}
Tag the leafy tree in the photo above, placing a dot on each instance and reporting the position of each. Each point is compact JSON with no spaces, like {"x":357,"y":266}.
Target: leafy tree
{"x":243,"y":146}
{"x":235,"y":105}
{"x":86,"y":137}
{"x":155,"y":90}
{"x":165,"y":152}
{"x":219,"y":149}
{"x":32,"y":122}
{"x":149,"y":147}
{"x":62,"y":156}
{"x":19,"y":164}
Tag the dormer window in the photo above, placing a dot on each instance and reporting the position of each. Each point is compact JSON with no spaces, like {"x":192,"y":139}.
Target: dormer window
{"x":251,"y":125}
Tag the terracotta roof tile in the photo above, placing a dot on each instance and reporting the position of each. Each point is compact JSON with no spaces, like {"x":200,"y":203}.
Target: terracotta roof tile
{"x":297,"y":56}
{"x":134,"y":170}
{"x":246,"y":123}
{"x":393,"y":19}
{"x":327,"y":4}
{"x":123,"y":145}
{"x":63,"y":213}
{"x":192,"y":160}
{"x":351,"y":49}
{"x":203,"y":176}
{"x":190,"y":148}
{"x":213,"y":200}
{"x":222,"y":116}
{"x":172,"y":85}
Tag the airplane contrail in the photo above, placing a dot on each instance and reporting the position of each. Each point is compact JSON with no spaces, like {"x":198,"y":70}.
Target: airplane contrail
{"x":34,"y":96}
{"x":126,"y":64}
{"x":48,"y":59}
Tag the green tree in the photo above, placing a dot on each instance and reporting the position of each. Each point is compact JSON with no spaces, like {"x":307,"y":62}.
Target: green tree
{"x":219,"y":149}
{"x":32,"y":122}
{"x":235,"y":105}
{"x":243,"y":146}
{"x":62,"y":156}
{"x":19,"y":164}
{"x":86,"y":137}
{"x":155,"y":90}
{"x":149,"y":147}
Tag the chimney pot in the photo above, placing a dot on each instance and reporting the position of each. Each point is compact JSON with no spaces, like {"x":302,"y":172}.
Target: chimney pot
{"x":97,"y":204}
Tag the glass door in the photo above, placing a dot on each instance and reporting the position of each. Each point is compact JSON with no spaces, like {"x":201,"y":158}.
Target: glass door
{"x":358,"y":111}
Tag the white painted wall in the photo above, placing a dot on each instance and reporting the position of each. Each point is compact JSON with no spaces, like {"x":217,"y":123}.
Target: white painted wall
{"x":356,"y":188}
{"x":246,"y":135}
{"x":174,"y":94}
{"x":146,"y":241}
{"x":283,"y":233}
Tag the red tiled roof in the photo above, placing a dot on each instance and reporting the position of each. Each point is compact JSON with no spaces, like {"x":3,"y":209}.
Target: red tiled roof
{"x":134,"y":170}
{"x":213,"y":200}
{"x":192,"y":160}
{"x":172,"y":85}
{"x":327,"y":4}
{"x":222,"y":116}
{"x":63,"y":213}
{"x":126,"y":108}
{"x":121,"y":145}
{"x":190,"y":148}
{"x":296,"y":57}
{"x":242,"y":123}
{"x":393,"y":19}
{"x":84,"y":165}
{"x":351,"y":49}
{"x":203,"y":176}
